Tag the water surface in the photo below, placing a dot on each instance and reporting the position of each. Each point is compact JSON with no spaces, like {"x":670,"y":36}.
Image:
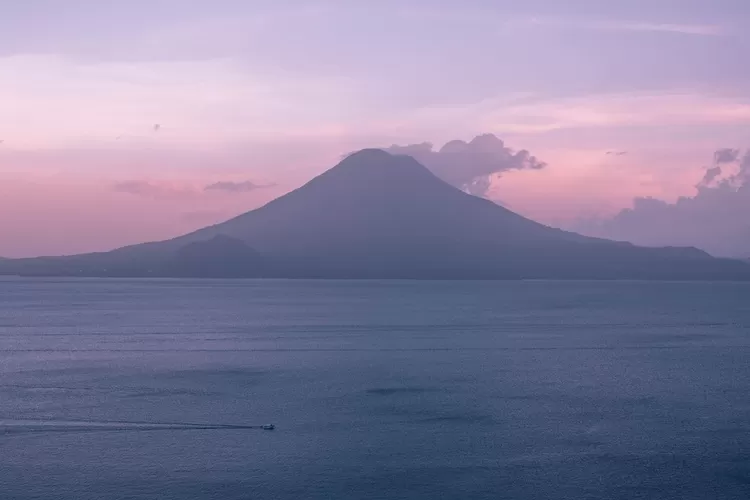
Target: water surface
{"x":139,"y":389}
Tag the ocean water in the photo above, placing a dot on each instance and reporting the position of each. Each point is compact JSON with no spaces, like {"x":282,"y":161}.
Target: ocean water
{"x":149,"y":389}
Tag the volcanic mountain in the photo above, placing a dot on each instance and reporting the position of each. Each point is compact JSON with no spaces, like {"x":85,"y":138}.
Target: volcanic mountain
{"x":377,"y":215}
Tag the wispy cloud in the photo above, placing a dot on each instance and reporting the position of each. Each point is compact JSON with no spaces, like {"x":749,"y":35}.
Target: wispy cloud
{"x":685,"y":29}
{"x":178,"y":191}
{"x":156,"y":190}
{"x":541,"y":115}
{"x":196,"y":103}
{"x":495,"y":17}
{"x":235,"y":187}
{"x":614,"y":110}
{"x":608,"y":25}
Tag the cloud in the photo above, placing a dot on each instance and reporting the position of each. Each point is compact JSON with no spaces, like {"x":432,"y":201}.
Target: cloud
{"x":683,"y":29}
{"x":634,"y":109}
{"x":714,"y":219}
{"x":470,"y":165}
{"x":605,"y":25}
{"x":168,"y":190}
{"x":153,"y":189}
{"x":726,"y":155}
{"x":235,"y":187}
{"x":164,"y":103}
{"x":711,"y":174}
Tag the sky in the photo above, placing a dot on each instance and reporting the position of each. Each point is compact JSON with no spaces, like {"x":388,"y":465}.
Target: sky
{"x":128,"y":121}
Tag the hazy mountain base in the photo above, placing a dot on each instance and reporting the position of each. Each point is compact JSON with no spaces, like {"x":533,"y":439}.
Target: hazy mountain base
{"x":381,"y":216}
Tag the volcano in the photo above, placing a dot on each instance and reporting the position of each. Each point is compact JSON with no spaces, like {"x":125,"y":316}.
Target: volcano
{"x":382,"y":216}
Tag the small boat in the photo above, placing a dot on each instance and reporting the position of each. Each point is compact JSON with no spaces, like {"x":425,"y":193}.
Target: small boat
{"x":268,"y":427}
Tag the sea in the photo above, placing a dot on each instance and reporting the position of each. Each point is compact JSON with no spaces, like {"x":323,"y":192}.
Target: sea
{"x":155,"y":389}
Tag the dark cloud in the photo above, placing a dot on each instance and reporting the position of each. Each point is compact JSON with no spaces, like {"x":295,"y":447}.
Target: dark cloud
{"x":714,"y":219}
{"x":726,"y":155}
{"x":234,"y":187}
{"x":712,"y":173}
{"x":470,"y":165}
{"x":616,"y":153}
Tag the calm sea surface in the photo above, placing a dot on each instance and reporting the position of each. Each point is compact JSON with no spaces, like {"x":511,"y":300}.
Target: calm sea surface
{"x":378,"y":390}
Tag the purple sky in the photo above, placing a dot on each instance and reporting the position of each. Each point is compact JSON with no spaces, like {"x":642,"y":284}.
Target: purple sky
{"x":255,"y":97}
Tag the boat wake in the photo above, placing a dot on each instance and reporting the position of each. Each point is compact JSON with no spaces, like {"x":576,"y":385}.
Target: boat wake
{"x":22,"y":426}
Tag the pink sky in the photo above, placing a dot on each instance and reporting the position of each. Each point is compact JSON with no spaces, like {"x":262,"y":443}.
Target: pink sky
{"x":241,"y":104}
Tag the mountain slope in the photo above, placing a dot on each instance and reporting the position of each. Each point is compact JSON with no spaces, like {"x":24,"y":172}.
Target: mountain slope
{"x":381,"y":216}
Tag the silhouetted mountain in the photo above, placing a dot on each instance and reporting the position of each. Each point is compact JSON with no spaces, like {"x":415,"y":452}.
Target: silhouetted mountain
{"x":218,"y":257}
{"x":375,"y":215}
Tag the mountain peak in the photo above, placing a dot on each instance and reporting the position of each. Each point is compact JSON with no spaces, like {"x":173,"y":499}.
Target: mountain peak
{"x":368,"y":154}
{"x":365,"y":160}
{"x":375,"y":167}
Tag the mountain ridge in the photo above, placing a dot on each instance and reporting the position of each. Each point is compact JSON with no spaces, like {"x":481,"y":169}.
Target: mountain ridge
{"x":377,"y":215}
